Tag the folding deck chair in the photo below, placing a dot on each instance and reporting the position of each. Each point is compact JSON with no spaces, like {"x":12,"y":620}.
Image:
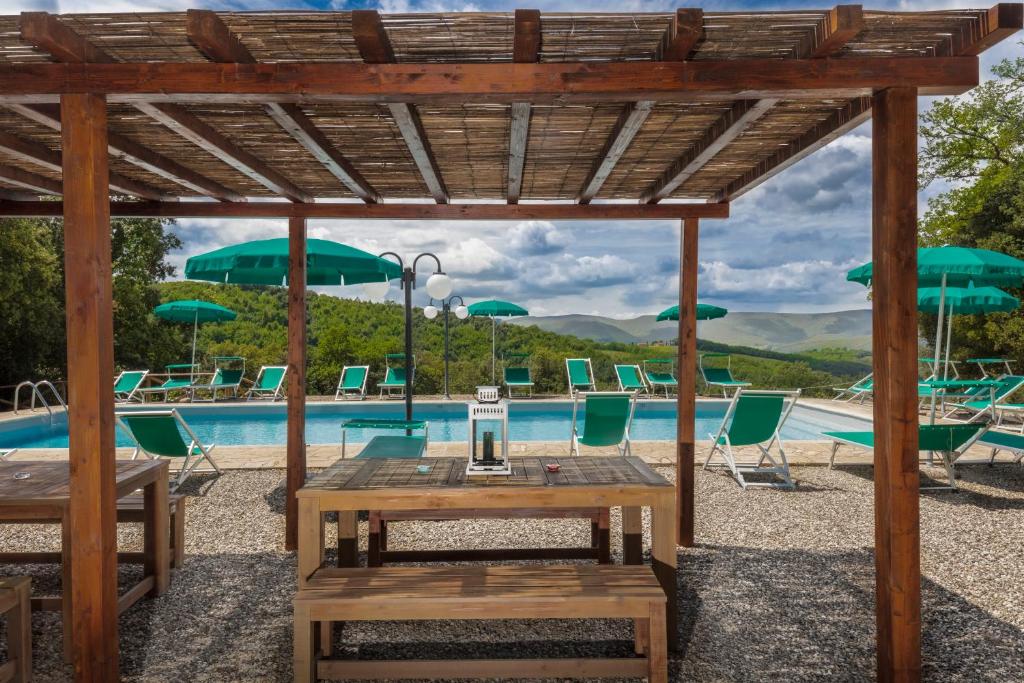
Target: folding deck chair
{"x":352,"y":382}
{"x":720,"y":377}
{"x":862,"y":388}
{"x":949,"y":441}
{"x":607,"y":416}
{"x":981,"y":401}
{"x":157,"y":434}
{"x":127,"y":385}
{"x":268,"y":383}
{"x":754,"y":418}
{"x":223,"y":380}
{"x":982,"y":362}
{"x":389,"y":445}
{"x":581,"y":375}
{"x":172,"y":383}
{"x":630,"y":379}
{"x":394,"y":376}
{"x":6,"y":453}
{"x":999,"y":440}
{"x":518,"y":376}
{"x":661,"y":377}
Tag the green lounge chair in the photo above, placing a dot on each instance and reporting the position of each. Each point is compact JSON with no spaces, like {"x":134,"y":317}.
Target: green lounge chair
{"x":999,"y":440}
{"x":6,"y":453}
{"x":607,"y":416}
{"x":754,"y":418}
{"x":172,"y":383}
{"x":223,"y":380}
{"x":862,"y":388}
{"x":389,"y":445}
{"x":982,"y":362}
{"x":268,"y":384}
{"x":127,"y":385}
{"x":157,"y":434}
{"x":394,"y":376}
{"x":630,"y":378}
{"x":352,"y":383}
{"x":950,"y":441}
{"x":518,"y":378}
{"x":720,"y":377}
{"x":581,"y":375}
{"x":661,"y":378}
{"x":1008,"y":385}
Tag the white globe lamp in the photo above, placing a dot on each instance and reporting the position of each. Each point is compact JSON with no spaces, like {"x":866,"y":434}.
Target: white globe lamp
{"x":376,"y":290}
{"x":461,"y":312}
{"x":430,"y":312}
{"x":439,"y":286}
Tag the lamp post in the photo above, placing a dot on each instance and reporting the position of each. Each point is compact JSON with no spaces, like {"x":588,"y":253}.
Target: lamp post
{"x":439,"y":285}
{"x":461,"y":312}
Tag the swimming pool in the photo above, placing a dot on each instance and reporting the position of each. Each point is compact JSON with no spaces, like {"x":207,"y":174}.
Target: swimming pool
{"x":265,"y":424}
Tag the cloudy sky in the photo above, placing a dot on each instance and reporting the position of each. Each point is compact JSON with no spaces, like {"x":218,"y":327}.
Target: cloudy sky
{"x":785,"y":248}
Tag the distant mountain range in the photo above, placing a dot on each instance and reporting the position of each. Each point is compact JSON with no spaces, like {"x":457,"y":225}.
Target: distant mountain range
{"x":787,"y":332}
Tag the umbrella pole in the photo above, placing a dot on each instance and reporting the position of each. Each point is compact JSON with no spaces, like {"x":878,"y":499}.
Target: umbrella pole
{"x":192,"y":368}
{"x":949,"y":337}
{"x":494,"y":331}
{"x":938,"y":328}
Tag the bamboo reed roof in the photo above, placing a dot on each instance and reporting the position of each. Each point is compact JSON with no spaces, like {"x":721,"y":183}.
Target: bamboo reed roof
{"x":470,"y":143}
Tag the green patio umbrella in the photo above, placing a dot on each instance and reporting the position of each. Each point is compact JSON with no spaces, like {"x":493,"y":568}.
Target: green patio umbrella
{"x":955,"y":266}
{"x":195,"y":312}
{"x":494,"y":309}
{"x":704,"y":312}
{"x":963,"y":300}
{"x":265,"y":262}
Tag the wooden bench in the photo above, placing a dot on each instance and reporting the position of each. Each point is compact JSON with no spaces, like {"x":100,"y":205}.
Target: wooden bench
{"x":378,"y":553}
{"x":130,"y":509}
{"x":481,"y":592}
{"x":15,"y":605}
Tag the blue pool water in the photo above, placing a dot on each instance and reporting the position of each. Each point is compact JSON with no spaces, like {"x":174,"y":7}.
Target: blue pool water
{"x":251,"y":425}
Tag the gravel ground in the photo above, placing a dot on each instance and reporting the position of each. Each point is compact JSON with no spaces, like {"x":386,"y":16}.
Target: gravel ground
{"x":781,"y":587}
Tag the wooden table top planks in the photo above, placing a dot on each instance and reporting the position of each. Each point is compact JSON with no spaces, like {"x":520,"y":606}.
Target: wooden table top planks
{"x":49,"y":481}
{"x":350,"y":475}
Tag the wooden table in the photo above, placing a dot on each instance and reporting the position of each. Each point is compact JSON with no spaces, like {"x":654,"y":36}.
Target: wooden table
{"x":43,"y":498}
{"x":349,"y":486}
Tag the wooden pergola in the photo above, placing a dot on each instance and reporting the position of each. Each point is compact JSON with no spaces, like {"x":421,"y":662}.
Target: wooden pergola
{"x":467,"y":116}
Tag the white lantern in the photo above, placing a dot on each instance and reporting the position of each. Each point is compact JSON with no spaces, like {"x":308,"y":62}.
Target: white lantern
{"x":430,"y":312}
{"x":488,"y":438}
{"x":376,"y":290}
{"x":461,"y":312}
{"x":439,"y":286}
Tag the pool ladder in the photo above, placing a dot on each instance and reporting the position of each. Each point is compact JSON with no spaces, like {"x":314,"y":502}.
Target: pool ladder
{"x":36,"y":393}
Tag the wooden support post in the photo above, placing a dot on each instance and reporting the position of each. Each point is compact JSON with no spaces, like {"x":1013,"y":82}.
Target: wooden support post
{"x":687,"y":372}
{"x":894,"y":322}
{"x":296,"y":375}
{"x":90,"y":332}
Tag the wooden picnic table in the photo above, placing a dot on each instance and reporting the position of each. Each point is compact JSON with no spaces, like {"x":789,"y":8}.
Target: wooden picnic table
{"x":349,"y":486}
{"x":43,"y":498}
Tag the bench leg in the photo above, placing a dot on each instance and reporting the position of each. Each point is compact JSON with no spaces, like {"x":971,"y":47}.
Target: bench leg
{"x":632,"y":536}
{"x":305,"y":656}
{"x":19,"y":635}
{"x":657,"y":655}
{"x":641,"y":636}
{"x":326,"y":638}
{"x":178,"y":535}
{"x":373,"y":543}
{"x":348,"y":539}
{"x":604,"y":550}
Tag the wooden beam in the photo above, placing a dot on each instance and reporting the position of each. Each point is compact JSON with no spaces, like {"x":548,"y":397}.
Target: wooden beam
{"x":894,"y":350}
{"x":375,"y":48}
{"x":26,"y":180}
{"x":685,"y":32}
{"x":212,"y":36}
{"x":686,"y":368}
{"x":476,"y":212}
{"x":46,"y":32}
{"x":628,"y":125}
{"x":839,"y":26}
{"x":296,"y":391}
{"x":716,"y":138}
{"x":987,"y":29}
{"x":206,"y":137}
{"x":548,"y":82}
{"x":526,"y":44}
{"x":845,"y":119}
{"x":90,"y":331}
{"x":126,"y":149}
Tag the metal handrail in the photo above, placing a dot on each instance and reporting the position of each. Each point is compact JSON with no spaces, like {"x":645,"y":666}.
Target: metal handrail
{"x":56,"y":394}
{"x":36,"y":393}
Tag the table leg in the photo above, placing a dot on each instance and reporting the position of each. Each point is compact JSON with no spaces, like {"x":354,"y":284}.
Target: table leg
{"x":65,"y":584}
{"x":156,"y":535}
{"x":663,"y":557}
{"x":311,"y":539}
{"x":348,"y":539}
{"x":632,"y":535}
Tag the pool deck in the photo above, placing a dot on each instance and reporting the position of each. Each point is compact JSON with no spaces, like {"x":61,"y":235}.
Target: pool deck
{"x":653,"y":452}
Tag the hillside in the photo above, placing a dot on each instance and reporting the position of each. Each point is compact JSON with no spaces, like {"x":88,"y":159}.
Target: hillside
{"x":788,"y":332}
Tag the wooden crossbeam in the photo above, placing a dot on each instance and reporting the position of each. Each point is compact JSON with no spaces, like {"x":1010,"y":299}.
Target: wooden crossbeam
{"x":723,"y":131}
{"x":46,"y":32}
{"x":27,"y":180}
{"x":375,"y":48}
{"x":989,"y":28}
{"x":526,"y":45}
{"x":839,"y":26}
{"x":685,"y":31}
{"x":213,"y":37}
{"x":355,"y":210}
{"x":853,"y":114}
{"x":451,"y":84}
{"x":126,"y":149}
{"x":41,"y":155}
